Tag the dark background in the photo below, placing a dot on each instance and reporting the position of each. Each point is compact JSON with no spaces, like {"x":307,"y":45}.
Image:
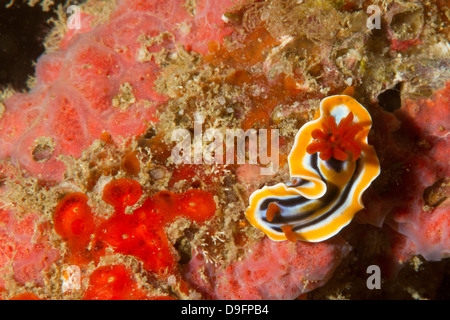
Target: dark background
{"x":22,"y":32}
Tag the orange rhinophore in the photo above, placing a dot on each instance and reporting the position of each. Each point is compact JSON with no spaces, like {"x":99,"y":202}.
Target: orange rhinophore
{"x":290,"y":235}
{"x":272,"y":210}
{"x":331,"y":165}
{"x":139,"y":232}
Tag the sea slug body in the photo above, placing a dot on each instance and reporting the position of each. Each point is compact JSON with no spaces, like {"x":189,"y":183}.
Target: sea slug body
{"x":331,"y":165}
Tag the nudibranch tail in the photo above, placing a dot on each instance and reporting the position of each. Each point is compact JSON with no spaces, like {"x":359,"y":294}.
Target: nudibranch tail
{"x":331,"y":164}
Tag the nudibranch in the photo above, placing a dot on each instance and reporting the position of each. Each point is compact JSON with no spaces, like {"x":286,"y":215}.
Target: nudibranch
{"x":331,"y":164}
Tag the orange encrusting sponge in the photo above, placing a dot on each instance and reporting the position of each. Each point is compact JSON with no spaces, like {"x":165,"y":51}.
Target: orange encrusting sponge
{"x":140,"y":233}
{"x":115,"y":282}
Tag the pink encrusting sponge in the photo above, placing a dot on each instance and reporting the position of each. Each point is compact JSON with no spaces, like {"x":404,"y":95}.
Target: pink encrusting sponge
{"x":97,"y":80}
